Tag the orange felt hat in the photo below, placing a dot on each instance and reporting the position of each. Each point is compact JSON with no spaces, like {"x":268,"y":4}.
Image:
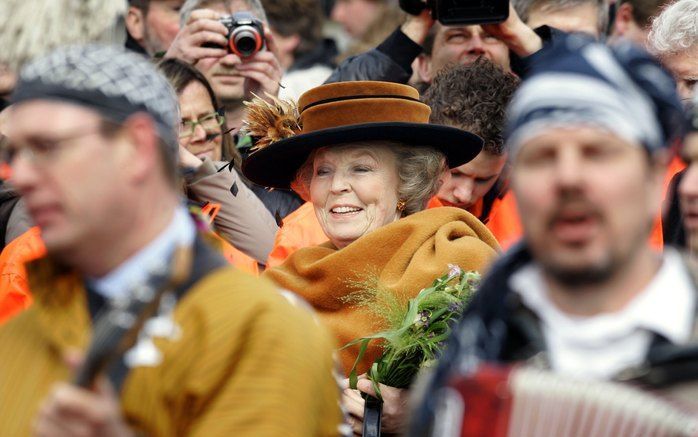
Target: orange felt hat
{"x":347,"y":112}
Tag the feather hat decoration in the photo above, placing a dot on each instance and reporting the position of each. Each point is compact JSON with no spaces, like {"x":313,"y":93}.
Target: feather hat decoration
{"x":269,"y":121}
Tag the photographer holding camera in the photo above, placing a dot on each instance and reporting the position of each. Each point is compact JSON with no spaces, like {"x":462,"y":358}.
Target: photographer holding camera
{"x":493,"y":34}
{"x":230,"y":43}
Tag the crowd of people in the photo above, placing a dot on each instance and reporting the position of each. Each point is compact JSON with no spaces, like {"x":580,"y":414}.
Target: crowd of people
{"x":196,"y":195}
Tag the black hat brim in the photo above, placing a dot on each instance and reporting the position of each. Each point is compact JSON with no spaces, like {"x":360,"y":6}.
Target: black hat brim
{"x":277,"y":164}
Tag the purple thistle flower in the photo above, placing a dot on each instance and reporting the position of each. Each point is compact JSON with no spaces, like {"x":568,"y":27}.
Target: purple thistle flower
{"x":453,"y":272}
{"x":422,"y":319}
{"x":455,"y":307}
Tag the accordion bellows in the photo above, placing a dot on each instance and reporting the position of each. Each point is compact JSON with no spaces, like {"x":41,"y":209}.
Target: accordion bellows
{"x":526,"y":402}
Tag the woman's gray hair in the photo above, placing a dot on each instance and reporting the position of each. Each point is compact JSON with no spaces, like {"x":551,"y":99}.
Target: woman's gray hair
{"x":675,"y":29}
{"x":419,"y":169}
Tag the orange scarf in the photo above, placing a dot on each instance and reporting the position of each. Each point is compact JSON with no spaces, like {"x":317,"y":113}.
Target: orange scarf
{"x":406,"y":256}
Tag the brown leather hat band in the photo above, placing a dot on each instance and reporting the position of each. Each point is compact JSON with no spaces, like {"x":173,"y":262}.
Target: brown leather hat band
{"x":347,"y":112}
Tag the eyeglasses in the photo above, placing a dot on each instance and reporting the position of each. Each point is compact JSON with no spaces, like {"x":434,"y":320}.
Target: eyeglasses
{"x":208,"y":122}
{"x":41,"y":151}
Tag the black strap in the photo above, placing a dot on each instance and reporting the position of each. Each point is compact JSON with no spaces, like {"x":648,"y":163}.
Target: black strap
{"x":206,"y":260}
{"x":373,"y":409}
{"x":8,"y":201}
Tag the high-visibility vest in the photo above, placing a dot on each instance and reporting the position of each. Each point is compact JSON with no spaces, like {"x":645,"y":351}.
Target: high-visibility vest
{"x":234,"y":256}
{"x":14,"y":288}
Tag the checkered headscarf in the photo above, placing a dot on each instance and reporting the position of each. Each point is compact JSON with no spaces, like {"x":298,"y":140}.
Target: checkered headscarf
{"x":108,"y":79}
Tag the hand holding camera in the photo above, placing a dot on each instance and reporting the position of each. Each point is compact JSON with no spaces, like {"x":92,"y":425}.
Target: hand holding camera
{"x":202,"y":36}
{"x":498,"y":18}
{"x":520,"y":38}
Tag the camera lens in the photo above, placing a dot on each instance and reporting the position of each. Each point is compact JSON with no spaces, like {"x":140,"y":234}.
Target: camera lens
{"x":246,"y":41}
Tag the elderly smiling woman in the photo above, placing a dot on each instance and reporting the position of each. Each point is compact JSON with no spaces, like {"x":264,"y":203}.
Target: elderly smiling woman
{"x":368,"y":161}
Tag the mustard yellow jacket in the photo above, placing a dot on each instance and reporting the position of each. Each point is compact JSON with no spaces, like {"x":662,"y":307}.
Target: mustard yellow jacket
{"x":248,"y":363}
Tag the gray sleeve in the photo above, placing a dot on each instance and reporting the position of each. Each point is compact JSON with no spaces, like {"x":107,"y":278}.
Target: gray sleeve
{"x":243,"y":219}
{"x":18,"y":223}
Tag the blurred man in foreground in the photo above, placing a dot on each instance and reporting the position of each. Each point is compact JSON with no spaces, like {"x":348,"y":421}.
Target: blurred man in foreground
{"x":585,"y":295}
{"x":99,"y":176}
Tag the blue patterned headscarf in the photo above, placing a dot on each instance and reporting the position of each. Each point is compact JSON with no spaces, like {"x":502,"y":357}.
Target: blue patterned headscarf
{"x":580,"y":82}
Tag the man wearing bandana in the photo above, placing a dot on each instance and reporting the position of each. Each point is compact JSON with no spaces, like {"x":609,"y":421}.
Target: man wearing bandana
{"x":584,"y":294}
{"x":92,"y":143}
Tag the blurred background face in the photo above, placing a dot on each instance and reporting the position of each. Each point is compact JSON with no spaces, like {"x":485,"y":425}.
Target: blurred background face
{"x":356,"y":15}
{"x":158,"y":26}
{"x":586,"y":199}
{"x":461,"y":45}
{"x":688,"y":191}
{"x":354,"y":191}
{"x":684,"y":67}
{"x":200,"y":132}
{"x":468,"y":183}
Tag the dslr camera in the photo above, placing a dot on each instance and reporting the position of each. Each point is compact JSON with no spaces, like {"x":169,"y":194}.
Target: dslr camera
{"x":460,"y":12}
{"x":245,"y":34}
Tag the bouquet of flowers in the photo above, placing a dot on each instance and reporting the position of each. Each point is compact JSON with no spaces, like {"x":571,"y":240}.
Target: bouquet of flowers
{"x":416,"y":335}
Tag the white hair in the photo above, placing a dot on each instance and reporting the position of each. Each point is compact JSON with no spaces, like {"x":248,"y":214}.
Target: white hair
{"x":675,"y":29}
{"x":255,"y":6}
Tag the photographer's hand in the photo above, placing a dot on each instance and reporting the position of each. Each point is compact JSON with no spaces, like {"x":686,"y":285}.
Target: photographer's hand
{"x":262,"y":71}
{"x":513,"y":32}
{"x":202,"y":27}
{"x":417,"y":27}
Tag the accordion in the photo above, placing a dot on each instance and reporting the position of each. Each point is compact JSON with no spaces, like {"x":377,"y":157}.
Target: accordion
{"x":525,"y":402}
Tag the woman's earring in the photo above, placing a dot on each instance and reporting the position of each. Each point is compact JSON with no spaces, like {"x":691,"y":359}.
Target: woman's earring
{"x":401,"y":205}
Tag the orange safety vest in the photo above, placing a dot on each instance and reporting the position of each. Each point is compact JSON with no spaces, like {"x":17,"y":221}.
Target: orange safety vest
{"x":234,"y":256}
{"x":15,"y":295}
{"x":299,"y":229}
{"x":14,"y":288}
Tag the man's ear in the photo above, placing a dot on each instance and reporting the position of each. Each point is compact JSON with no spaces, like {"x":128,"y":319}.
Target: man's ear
{"x":424,"y":69}
{"x":135,"y":23}
{"x":142,"y":153}
{"x":624,"y":19}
